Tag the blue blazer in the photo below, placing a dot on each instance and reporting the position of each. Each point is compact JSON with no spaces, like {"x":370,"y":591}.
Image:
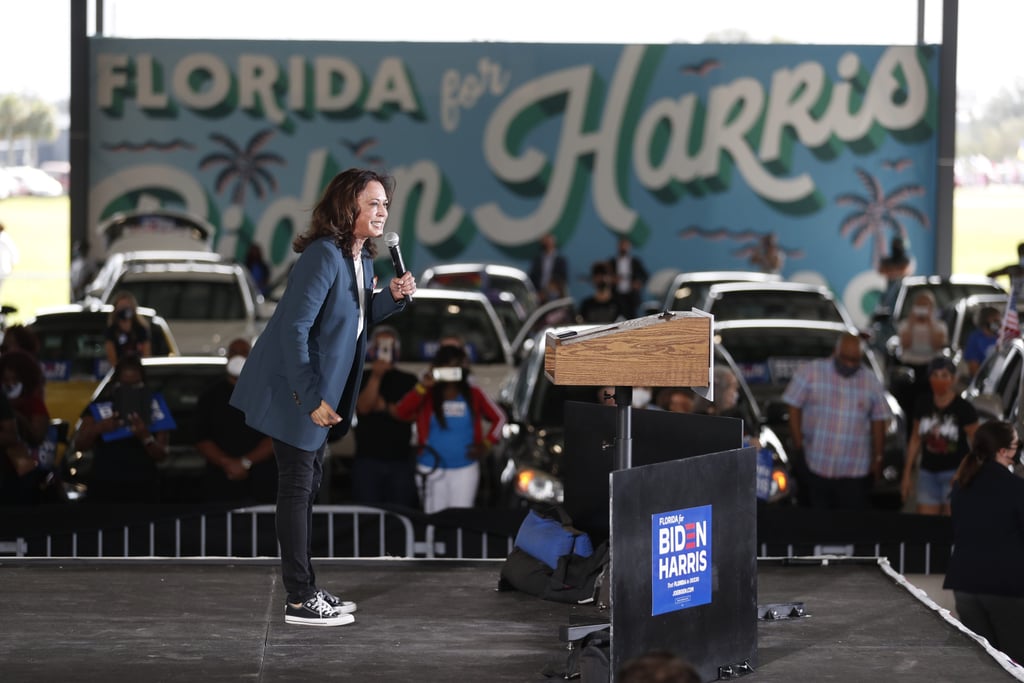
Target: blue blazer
{"x":309,"y":350}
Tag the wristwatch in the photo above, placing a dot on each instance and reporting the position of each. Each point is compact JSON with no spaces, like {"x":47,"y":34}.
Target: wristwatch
{"x":246,"y":463}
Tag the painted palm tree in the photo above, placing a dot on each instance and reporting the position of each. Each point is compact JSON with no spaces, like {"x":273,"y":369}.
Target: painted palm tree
{"x":245,"y":167}
{"x":878,"y":212}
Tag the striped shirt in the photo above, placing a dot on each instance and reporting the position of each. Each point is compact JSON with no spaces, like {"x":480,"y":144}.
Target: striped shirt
{"x":836,"y":416}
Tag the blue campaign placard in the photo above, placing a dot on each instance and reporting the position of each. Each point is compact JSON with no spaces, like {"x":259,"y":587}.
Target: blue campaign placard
{"x":680,"y":559}
{"x":160,"y":419}
{"x":764,"y":473}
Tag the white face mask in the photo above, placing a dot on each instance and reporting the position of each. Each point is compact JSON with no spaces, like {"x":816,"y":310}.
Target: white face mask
{"x":921,"y":311}
{"x":13,"y":391}
{"x":641,"y":397}
{"x":235,"y":364}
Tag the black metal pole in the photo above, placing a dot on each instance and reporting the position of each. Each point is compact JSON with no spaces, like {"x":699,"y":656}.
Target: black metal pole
{"x":623,"y":428}
{"x":947,"y":139}
{"x":78,"y":189}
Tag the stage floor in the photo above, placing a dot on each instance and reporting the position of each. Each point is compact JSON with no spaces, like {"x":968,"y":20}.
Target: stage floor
{"x":420,"y":620}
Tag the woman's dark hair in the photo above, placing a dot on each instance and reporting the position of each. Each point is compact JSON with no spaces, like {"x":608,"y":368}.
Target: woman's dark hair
{"x":21,"y":338}
{"x":335,"y":214}
{"x":988,"y":440}
{"x":26,"y":368}
{"x":450,"y":355}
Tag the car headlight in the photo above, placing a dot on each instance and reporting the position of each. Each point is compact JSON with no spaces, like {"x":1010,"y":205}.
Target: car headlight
{"x":537,"y":486}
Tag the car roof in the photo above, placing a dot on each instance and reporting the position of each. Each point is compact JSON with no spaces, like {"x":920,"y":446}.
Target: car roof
{"x":171,"y":227}
{"x":784,"y":323}
{"x":957,"y":279}
{"x":170,"y":255}
{"x":183,"y":361}
{"x":490,"y":268}
{"x":726,"y":276}
{"x":78,"y":309}
{"x":779,"y":286}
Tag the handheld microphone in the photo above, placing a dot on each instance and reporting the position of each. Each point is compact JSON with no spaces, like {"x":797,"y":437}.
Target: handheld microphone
{"x":391,"y":240}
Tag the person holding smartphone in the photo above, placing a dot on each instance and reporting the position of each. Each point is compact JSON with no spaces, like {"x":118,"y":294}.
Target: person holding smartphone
{"x":449,"y":412}
{"x":384,"y":466}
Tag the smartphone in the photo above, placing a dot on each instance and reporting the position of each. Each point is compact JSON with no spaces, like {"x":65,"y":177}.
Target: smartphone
{"x":447,"y":374}
{"x":385,"y":349}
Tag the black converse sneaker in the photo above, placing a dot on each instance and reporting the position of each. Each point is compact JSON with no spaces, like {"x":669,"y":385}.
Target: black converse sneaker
{"x":339,"y":605}
{"x":315,"y":612}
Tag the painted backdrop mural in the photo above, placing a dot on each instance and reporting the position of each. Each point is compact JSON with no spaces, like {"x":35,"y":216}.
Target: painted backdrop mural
{"x":699,"y":154}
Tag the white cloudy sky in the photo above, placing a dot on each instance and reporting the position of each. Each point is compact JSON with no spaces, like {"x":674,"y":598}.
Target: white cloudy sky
{"x":34,"y":53}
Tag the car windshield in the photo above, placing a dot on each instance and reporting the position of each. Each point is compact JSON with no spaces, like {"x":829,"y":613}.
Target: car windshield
{"x":946,"y":294}
{"x":769,"y":304}
{"x":421,"y":327}
{"x":689,"y":295}
{"x":492,"y":286}
{"x":188,"y":299}
{"x":181,"y":386}
{"x":768,"y":358}
{"x":73,"y":345}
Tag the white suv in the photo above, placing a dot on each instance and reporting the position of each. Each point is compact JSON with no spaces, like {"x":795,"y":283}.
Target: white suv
{"x":206,"y":299}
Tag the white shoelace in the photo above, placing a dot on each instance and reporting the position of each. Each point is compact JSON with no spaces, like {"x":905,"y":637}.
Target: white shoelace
{"x":321,"y":607}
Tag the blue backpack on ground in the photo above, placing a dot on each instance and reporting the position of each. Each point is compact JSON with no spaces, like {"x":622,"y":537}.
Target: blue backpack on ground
{"x":553,"y":560}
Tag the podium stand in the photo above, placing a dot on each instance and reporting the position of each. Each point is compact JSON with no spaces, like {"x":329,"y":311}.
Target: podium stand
{"x":676,"y":497}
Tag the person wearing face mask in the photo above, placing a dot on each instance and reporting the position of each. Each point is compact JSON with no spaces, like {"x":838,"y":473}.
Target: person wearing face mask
{"x":985,"y":568}
{"x":602,"y":306}
{"x":922,"y":334}
{"x":127,"y":333}
{"x":33,"y":453}
{"x":119,"y":428}
{"x":837,"y":420}
{"x":942,"y":426}
{"x":982,"y":338}
{"x":449,"y":412}
{"x":240,"y":465}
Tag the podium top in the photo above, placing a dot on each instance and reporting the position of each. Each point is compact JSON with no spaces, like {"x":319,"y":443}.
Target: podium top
{"x":666,"y":349}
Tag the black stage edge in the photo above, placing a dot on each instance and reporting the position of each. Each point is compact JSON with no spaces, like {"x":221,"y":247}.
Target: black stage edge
{"x":418,"y":620}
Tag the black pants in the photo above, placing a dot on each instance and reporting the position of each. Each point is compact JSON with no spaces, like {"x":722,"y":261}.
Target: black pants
{"x":998,"y":618}
{"x":299,"y":475}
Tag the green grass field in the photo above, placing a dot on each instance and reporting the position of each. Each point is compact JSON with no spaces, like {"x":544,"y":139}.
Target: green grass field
{"x":40,"y":227}
{"x":987,"y":225}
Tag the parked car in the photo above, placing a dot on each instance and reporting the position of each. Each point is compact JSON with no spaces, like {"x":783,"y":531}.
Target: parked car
{"x":768,"y":353}
{"x":526,"y":467}
{"x":181,"y":380}
{"x":775,"y":300}
{"x":207,"y":300}
{"x":964,"y":318}
{"x":947,"y":291}
{"x":471,"y":317}
{"x":149,"y":230}
{"x":995,"y":391}
{"x":35,"y":182}
{"x":9,"y":185}
{"x":71,"y":351}
{"x":509,"y":289}
{"x":689,"y":290}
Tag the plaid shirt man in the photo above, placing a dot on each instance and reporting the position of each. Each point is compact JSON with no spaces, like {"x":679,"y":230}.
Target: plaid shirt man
{"x":836,"y":417}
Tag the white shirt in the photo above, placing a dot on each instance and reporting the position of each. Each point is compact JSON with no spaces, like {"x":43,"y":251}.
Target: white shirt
{"x":358,"y":260}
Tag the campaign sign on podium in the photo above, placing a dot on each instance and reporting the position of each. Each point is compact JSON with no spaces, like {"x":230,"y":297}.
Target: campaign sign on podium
{"x":682,"y":528}
{"x":683,"y":562}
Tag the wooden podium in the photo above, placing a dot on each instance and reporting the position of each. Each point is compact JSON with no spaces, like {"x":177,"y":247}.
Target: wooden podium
{"x":682,"y":575}
{"x":670,"y":349}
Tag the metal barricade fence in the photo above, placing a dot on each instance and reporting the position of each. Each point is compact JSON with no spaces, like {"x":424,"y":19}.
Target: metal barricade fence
{"x":355,"y":531}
